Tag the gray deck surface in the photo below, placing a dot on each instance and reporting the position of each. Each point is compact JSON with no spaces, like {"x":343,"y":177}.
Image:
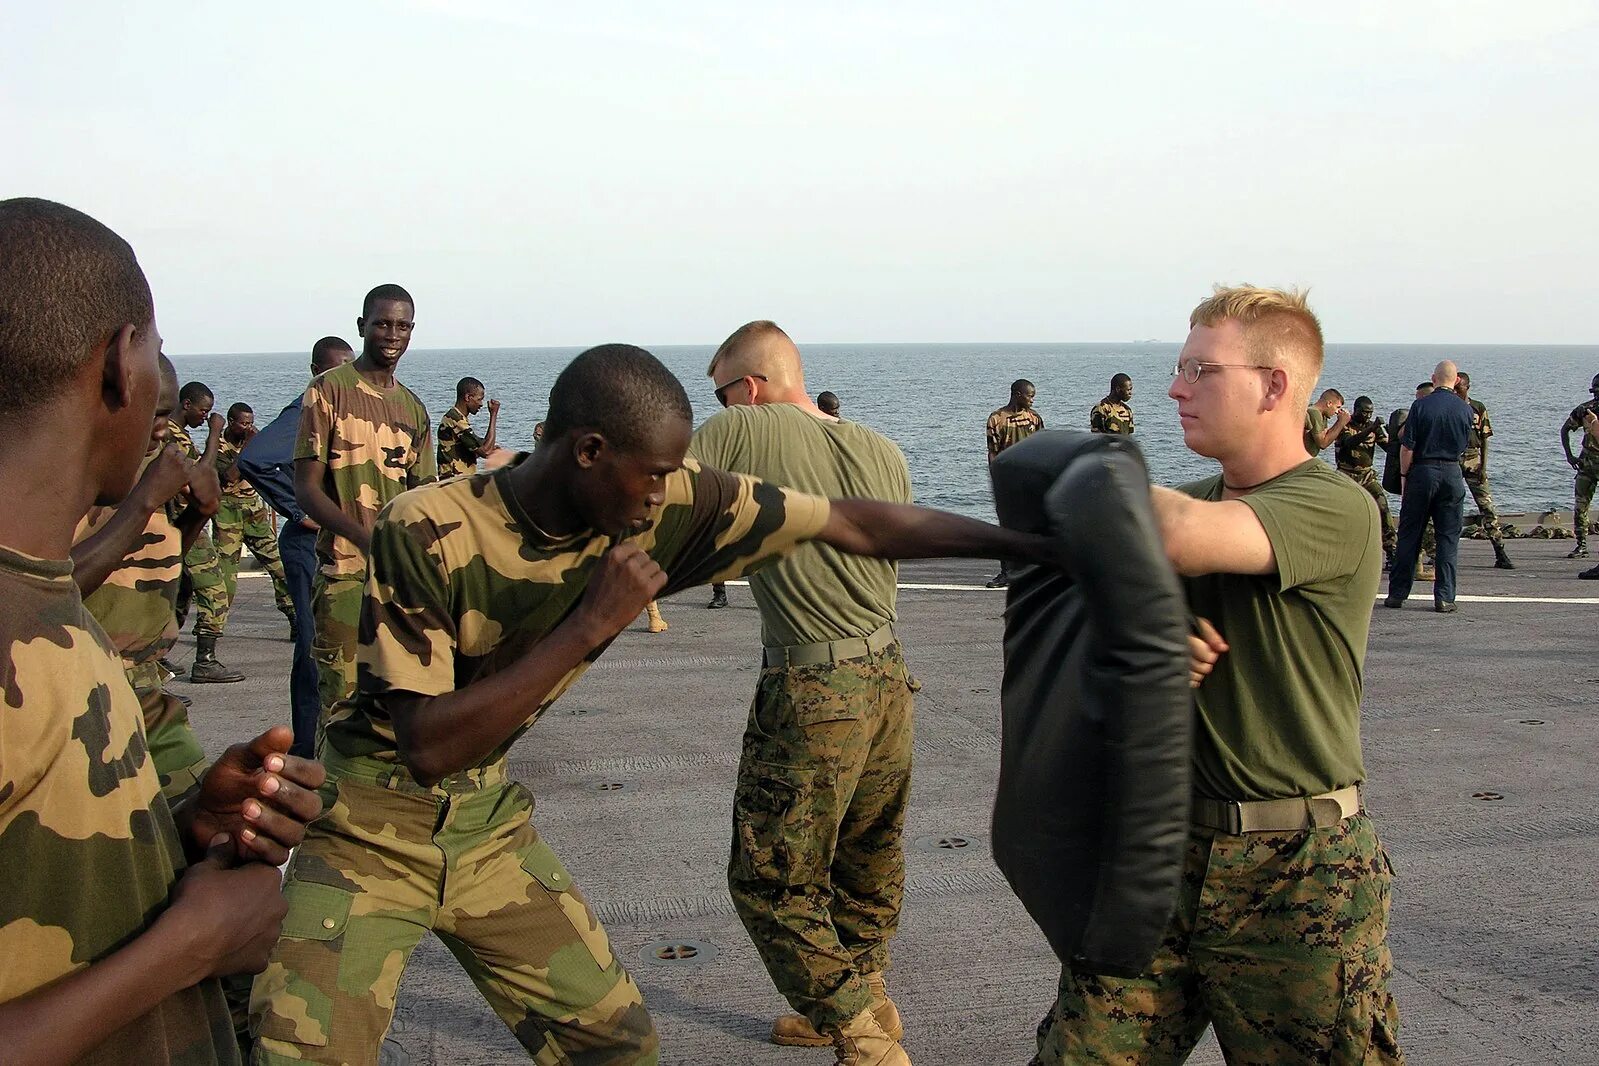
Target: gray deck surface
{"x":1496,"y":917}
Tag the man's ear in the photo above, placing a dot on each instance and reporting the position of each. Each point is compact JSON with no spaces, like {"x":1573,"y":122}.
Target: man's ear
{"x":587,"y":448}
{"x":116,"y":372}
{"x":360,"y":326}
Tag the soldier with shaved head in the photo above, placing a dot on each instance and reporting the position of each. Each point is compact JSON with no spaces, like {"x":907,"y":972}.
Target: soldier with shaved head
{"x":1434,"y":436}
{"x":364,"y":439}
{"x":490,"y":596}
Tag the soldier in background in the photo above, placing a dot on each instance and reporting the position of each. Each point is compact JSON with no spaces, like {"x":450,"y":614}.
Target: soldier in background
{"x":1014,"y":422}
{"x":1324,"y":420}
{"x":459,"y":447}
{"x":1586,"y":464}
{"x":1112,"y":414}
{"x":1355,"y":454}
{"x":1474,"y":467}
{"x":827,"y":403}
{"x":203,"y":582}
{"x":1590,"y":424}
{"x":243,"y":519}
{"x":1393,"y":481}
{"x":364,"y":438}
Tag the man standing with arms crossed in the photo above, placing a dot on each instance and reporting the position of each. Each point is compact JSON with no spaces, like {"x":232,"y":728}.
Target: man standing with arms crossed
{"x":830,"y":725}
{"x":267,"y":462}
{"x":1279,"y":939}
{"x":364,"y":439}
{"x":1014,"y":422}
{"x":1474,"y":468}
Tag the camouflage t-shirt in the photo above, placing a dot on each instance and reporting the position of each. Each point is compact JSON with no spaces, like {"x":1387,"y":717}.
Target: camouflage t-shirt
{"x":1356,"y":446}
{"x":1588,"y":457}
{"x":1007,"y":427}
{"x":1111,"y":415}
{"x":463,"y":582}
{"x":90,"y":850}
{"x":179,"y":434}
{"x":135,"y":604}
{"x":458,"y":445}
{"x":240,"y":490}
{"x":376,"y":443}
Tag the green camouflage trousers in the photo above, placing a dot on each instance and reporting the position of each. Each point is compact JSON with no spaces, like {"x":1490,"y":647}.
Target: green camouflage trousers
{"x":240,"y":523}
{"x":179,"y":760}
{"x":1279,"y":940}
{"x":204,"y":585}
{"x":1484,"y":499}
{"x":1367,"y":479}
{"x":336,"y":608}
{"x":817,"y":873}
{"x":1587,"y":478}
{"x":390,"y":861}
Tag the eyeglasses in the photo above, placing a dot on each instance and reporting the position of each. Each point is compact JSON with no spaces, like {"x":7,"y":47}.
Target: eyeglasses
{"x":1190,"y":369}
{"x":721,"y":390}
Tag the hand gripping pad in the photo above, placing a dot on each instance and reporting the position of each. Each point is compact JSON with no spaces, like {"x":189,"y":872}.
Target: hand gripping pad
{"x":1092,"y":811}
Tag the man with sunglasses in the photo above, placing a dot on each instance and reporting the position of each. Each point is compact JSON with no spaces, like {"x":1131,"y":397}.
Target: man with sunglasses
{"x":1279,"y":938}
{"x":817,"y":871}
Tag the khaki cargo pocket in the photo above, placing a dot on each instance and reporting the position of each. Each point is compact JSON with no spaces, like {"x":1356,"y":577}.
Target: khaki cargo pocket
{"x":773,"y":818}
{"x":293,"y":998}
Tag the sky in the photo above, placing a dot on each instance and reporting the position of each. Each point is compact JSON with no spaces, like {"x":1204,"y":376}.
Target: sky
{"x":543,"y":174}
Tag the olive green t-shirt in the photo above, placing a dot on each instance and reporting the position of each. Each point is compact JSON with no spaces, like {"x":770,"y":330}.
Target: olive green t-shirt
{"x":1315,"y":426}
{"x":1280,"y":715}
{"x":818,"y":593}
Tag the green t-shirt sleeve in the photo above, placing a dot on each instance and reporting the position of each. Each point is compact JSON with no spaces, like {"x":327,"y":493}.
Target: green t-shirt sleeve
{"x":410,"y":644}
{"x":1317,"y":533}
{"x":717,"y":442}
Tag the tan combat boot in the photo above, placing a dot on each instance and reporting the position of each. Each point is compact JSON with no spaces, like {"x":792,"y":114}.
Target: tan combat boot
{"x":862,"y":1042}
{"x":657,"y":623}
{"x":795,"y":1030}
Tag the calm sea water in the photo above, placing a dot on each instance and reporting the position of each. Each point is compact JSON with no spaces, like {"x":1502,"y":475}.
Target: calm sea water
{"x":934,"y":399}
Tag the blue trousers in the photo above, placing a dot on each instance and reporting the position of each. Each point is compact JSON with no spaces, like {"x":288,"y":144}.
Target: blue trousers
{"x":1436,"y":491}
{"x":297,"y":546}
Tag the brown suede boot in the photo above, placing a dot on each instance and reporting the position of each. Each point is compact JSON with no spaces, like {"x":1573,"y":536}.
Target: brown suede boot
{"x":862,"y":1042}
{"x":795,"y":1030}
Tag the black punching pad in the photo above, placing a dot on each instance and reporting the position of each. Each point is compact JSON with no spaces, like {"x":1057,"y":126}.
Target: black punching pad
{"x":1092,"y":813}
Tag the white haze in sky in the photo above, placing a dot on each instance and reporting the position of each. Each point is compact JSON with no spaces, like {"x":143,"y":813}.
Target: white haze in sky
{"x":659,"y":173}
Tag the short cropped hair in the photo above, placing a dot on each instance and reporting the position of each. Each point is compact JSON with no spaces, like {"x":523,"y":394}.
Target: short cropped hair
{"x":1120,"y":379}
{"x":1364,"y":400}
{"x":385,"y":292}
{"x":327,"y":345}
{"x":238,"y":409}
{"x":618,"y":390}
{"x":743,"y":337}
{"x":1276,"y":322}
{"x":67,"y":286}
{"x":464,"y":387}
{"x":1334,"y":393}
{"x":1463,"y":376}
{"x":1021,"y":383}
{"x":194,"y":392}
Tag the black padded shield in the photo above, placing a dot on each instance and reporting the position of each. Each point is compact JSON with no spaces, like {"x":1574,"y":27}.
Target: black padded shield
{"x":1092,"y":812}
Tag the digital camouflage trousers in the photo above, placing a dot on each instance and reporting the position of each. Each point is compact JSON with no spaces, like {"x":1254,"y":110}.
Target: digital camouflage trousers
{"x":1279,"y":941}
{"x":817,"y":872}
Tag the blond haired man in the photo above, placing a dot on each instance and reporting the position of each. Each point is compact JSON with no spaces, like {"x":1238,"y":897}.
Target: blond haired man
{"x":817,"y":873}
{"x":1279,"y":939}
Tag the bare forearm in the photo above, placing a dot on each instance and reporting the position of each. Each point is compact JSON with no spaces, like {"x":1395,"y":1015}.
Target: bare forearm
{"x":446,"y":734}
{"x":319,"y":506}
{"x":1406,"y":457}
{"x":491,"y":441}
{"x":902,"y":531}
{"x":68,"y":1019}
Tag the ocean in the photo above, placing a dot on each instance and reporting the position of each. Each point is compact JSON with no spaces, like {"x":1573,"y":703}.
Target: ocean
{"x":934,"y":399}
